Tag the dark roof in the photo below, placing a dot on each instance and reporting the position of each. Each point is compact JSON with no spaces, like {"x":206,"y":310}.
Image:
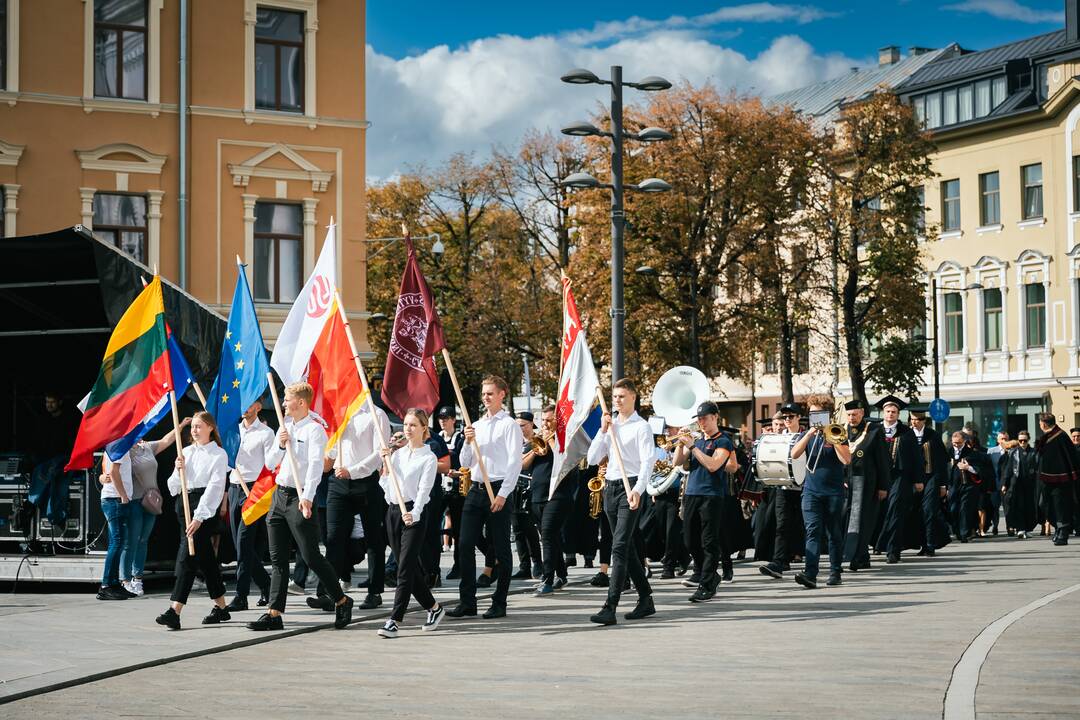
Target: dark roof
{"x":975,"y":63}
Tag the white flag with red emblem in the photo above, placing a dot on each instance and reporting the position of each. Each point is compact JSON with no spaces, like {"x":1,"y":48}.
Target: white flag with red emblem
{"x":308,"y":315}
{"x":576,"y":421}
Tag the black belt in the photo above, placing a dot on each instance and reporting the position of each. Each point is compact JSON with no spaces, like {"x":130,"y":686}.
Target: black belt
{"x":632,"y":480}
{"x":289,"y":491}
{"x":478,"y":485}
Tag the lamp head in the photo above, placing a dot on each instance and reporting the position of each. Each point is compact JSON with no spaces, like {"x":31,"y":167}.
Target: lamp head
{"x":652,"y":185}
{"x":653,"y":134}
{"x":580,"y":180}
{"x":581,"y":128}
{"x":652,"y":83}
{"x":580,"y":76}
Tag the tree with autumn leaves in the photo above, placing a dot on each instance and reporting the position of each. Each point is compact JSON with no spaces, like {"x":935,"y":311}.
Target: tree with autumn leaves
{"x":773,"y":227}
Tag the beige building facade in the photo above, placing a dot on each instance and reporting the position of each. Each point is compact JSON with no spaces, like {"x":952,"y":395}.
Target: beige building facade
{"x":90,"y":133}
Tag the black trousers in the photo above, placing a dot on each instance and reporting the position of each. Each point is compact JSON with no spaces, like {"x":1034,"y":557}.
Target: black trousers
{"x":704,"y":537}
{"x":300,"y":568}
{"x":431,"y":549}
{"x":345,"y":499}
{"x":552,"y":516}
{"x":248,"y":562}
{"x":1061,"y":497}
{"x":525,"y":532}
{"x":285,"y":524}
{"x":666,"y":507}
{"x":624,"y":550}
{"x":930,"y":498}
{"x":787,"y":505}
{"x":454,"y":505}
{"x":967,"y":500}
{"x":407,"y":542}
{"x":477,"y":516}
{"x":205,"y":560}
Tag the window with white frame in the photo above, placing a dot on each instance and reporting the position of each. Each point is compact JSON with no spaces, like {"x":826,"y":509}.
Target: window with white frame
{"x":120,"y":220}
{"x":989,"y":199}
{"x":120,"y":40}
{"x":1032,"y":179}
{"x":279,"y":252}
{"x":954,"y":323}
{"x":279,"y":60}
{"x":950,"y":205}
{"x":992,"y":318}
{"x":1035,"y":314}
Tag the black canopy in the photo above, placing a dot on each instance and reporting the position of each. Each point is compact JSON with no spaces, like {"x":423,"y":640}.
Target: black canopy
{"x":61,"y":294}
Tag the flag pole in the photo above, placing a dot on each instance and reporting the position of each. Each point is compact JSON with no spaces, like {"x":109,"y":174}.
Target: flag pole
{"x":183,"y":475}
{"x":202,"y":399}
{"x":371,"y":401}
{"x":288,"y":446}
{"x":468,"y":424}
{"x":615,"y":443}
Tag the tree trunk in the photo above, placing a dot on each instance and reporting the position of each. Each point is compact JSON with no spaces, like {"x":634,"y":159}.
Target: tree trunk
{"x":851,"y":325}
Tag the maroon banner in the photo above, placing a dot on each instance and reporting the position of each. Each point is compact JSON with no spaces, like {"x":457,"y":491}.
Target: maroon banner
{"x":410,"y":379}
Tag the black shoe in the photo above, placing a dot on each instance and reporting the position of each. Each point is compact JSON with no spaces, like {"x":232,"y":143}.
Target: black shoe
{"x":170,"y":619}
{"x":453,"y":574}
{"x":682,"y":569}
{"x":772,"y":570}
{"x":238,"y":604}
{"x":483,"y":581}
{"x":807,"y":582}
{"x":930,"y":552}
{"x":494,"y":612}
{"x":644,"y":609}
{"x":371,"y":601}
{"x":461,"y":611}
{"x":537,"y":570}
{"x":522,"y":574}
{"x":112,"y":592}
{"x":320,"y":602}
{"x":600,"y":579}
{"x":728,"y":576}
{"x":891,"y":559}
{"x":834,"y":580}
{"x":606,"y":616}
{"x":702,"y":594}
{"x":217,"y":616}
{"x":588,"y":563}
{"x":267,"y":621}
{"x":343,"y":612}
{"x":1061,"y":540}
{"x":994,"y":532}
{"x":692,"y":581}
{"x":264,"y":600}
{"x":570,"y":561}
{"x":668,"y":574}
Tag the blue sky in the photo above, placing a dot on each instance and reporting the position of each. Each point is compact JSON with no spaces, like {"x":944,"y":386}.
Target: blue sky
{"x":465,"y":75}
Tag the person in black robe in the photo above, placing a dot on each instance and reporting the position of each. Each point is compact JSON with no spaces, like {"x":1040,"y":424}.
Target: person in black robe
{"x":867,"y":475}
{"x":1018,"y":488}
{"x":1057,"y":471}
{"x":965,"y":477}
{"x":905,"y":472}
{"x":930,"y":533}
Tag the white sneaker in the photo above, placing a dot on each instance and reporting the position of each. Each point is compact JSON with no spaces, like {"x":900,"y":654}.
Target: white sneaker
{"x":295,"y":589}
{"x":434,"y":617}
{"x":346,"y":586}
{"x":129,"y":586}
{"x":389,"y":630}
{"x":136,"y":586}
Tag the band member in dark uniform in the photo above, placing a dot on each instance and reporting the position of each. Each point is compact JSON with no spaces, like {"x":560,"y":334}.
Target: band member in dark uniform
{"x":787,"y":509}
{"x":1059,"y":474}
{"x":524,"y":527}
{"x":1018,"y":486}
{"x":906,"y":476}
{"x":867,"y":478}
{"x":706,"y":487}
{"x":927,"y":508}
{"x":455,"y":501}
{"x":666,"y":509}
{"x":551,"y":514}
{"x":964,"y":481}
{"x":638,"y":457}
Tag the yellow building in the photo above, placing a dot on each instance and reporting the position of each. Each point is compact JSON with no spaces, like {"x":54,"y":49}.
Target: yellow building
{"x":91,"y":120}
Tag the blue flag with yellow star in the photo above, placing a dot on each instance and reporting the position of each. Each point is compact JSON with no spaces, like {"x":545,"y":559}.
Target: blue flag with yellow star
{"x":241,"y":377}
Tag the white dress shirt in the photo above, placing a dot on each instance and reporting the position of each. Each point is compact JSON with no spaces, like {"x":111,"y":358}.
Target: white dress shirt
{"x":415,"y":471}
{"x":636,"y":443}
{"x":205,"y":467}
{"x":358,"y":450}
{"x":890,"y":430}
{"x":256,"y":443}
{"x":308,"y":439}
{"x":500,"y":440}
{"x":108,"y":490}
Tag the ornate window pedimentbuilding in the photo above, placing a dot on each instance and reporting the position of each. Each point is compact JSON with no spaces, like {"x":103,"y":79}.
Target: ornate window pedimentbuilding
{"x":1033,"y":347}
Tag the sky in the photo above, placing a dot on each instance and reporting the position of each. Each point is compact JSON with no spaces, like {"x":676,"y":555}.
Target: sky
{"x":467,"y":76}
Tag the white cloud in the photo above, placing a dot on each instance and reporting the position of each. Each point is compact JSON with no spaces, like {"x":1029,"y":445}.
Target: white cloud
{"x":427,"y":106}
{"x":1008,"y":10}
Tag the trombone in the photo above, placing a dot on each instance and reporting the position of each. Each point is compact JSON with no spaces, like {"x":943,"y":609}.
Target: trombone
{"x":832,"y":433}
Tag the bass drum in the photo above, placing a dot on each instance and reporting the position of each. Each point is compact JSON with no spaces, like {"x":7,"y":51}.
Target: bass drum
{"x":773,"y":464}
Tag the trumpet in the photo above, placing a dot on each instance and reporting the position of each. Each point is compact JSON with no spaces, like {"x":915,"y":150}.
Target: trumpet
{"x":596,"y":496}
{"x":833,"y":433}
{"x":669,"y":444}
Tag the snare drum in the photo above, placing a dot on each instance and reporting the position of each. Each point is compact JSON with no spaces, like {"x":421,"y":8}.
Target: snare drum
{"x":773,"y":464}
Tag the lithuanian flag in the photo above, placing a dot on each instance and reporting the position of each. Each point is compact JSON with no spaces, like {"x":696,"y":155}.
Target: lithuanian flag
{"x":134,"y":376}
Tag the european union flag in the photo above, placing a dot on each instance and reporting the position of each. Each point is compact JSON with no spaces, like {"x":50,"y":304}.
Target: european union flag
{"x":241,"y":377}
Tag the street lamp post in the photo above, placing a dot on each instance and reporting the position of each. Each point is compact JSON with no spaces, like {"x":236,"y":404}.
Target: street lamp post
{"x":618,"y":218}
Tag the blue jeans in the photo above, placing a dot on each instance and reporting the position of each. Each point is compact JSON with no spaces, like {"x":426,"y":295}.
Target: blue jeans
{"x":116,"y":515}
{"x":823,"y":515}
{"x":49,"y":488}
{"x":140,"y":524}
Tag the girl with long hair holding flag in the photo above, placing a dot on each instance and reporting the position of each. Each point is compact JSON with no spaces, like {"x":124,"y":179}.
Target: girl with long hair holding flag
{"x":205,"y":464}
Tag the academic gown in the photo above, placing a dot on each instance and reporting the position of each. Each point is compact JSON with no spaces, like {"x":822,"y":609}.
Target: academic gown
{"x":926,"y":526}
{"x":905,"y":469}
{"x":1017,"y":476}
{"x":868,"y":471}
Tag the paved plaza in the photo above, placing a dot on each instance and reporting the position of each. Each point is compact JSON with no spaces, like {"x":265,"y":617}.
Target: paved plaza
{"x":883,"y":645}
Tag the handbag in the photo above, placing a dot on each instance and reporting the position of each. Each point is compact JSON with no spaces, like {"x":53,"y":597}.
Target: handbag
{"x":152,"y":501}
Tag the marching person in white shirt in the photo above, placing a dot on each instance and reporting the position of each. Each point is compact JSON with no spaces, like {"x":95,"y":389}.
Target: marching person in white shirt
{"x":256,"y":443}
{"x":292,"y":516}
{"x":205,"y":464}
{"x":639,"y":455}
{"x":414,"y":466}
{"x":500,"y":440}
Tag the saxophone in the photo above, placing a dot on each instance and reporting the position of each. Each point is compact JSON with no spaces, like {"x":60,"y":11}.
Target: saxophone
{"x":466,"y":481}
{"x":596,"y":496}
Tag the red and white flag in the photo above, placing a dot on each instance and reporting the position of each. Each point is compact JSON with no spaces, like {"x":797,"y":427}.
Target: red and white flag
{"x":576,"y":421}
{"x":410,"y":379}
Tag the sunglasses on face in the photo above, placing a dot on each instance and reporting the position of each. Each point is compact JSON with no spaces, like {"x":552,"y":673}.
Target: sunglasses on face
{"x":790,"y":417}
{"x":1023,"y":441}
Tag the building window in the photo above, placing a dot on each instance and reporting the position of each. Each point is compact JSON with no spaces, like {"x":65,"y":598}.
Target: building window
{"x":771,"y":362}
{"x":120,"y":49}
{"x":933,"y":110}
{"x":982,"y":98}
{"x":950,"y":205}
{"x":279,"y":60}
{"x":1035,"y":310}
{"x":954,"y":323}
{"x":966,"y":97}
{"x":1032,"y":178}
{"x":802,"y":352}
{"x":999,"y":90}
{"x":989,"y":199}
{"x":120,"y":220}
{"x":279,"y":252}
{"x":992,"y":318}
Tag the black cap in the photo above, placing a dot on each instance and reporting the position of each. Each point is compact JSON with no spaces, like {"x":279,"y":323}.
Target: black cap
{"x":707,"y":408}
{"x":791,"y":409}
{"x":890,"y":400}
{"x":918,"y":412}
{"x":525,"y":415}
{"x":765,"y":421}
{"x":855,"y":404}
{"x":445,"y":412}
